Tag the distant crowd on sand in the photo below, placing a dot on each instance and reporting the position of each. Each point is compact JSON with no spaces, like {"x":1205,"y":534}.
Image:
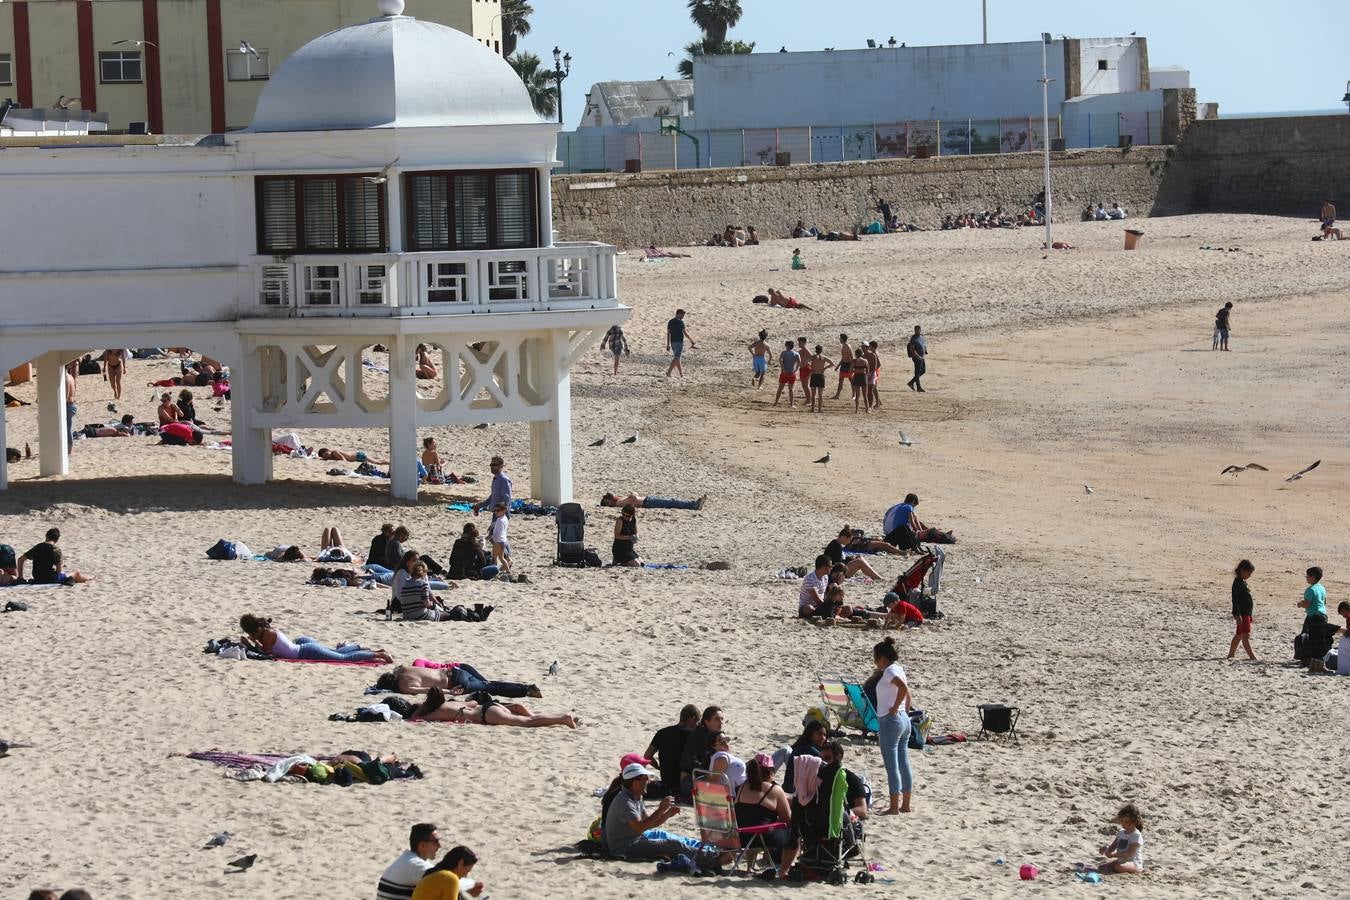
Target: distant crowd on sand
{"x":858,"y":368}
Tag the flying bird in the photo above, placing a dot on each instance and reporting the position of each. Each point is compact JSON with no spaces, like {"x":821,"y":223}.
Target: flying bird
{"x":824,"y":460}
{"x":1301,"y":472}
{"x":244,"y":863}
{"x":384,"y":173}
{"x":630,"y":440}
{"x":599,"y":443}
{"x":246,"y":47}
{"x":1087,"y":489}
{"x":63,"y":102}
{"x":1236,"y":469}
{"x":217,"y":841}
{"x":905,"y":441}
{"x":137,"y":43}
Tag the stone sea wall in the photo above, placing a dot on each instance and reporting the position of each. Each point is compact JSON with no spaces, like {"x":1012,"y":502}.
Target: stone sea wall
{"x":1276,"y":166}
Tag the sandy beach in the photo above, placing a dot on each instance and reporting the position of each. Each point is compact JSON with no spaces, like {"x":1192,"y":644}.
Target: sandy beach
{"x":1103,"y":616}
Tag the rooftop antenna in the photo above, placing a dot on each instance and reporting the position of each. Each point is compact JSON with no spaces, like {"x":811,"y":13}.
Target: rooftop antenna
{"x":1346,"y":98}
{"x":984,"y":17}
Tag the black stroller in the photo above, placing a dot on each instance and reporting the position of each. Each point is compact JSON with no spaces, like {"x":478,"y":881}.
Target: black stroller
{"x":824,"y":857}
{"x":571,"y":521}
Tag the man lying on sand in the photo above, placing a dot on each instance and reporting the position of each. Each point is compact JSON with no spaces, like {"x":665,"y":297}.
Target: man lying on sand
{"x":644,"y":501}
{"x":778,"y":298}
{"x":485,"y":710}
{"x":450,"y":677}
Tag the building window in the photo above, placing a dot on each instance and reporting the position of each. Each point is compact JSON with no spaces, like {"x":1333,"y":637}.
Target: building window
{"x":1101,"y":65}
{"x":120,"y":67}
{"x":321,"y":214}
{"x":472,"y":210}
{"x":240,"y":66}
{"x":6,"y":69}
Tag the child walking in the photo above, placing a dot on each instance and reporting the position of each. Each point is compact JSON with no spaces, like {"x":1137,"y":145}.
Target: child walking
{"x":1125,"y":854}
{"x":1242,"y":610}
{"x":501,"y":548}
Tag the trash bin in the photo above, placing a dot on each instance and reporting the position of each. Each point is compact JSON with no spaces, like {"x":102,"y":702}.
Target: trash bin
{"x":21,"y":374}
{"x":1132,"y":237}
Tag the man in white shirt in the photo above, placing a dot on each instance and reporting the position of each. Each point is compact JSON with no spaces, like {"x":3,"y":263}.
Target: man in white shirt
{"x":1116,"y":211}
{"x":400,"y":880}
{"x":811,"y":597}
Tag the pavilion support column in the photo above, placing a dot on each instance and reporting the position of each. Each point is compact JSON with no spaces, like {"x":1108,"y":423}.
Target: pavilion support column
{"x":551,"y":440}
{"x":402,"y":421}
{"x":53,"y":451}
{"x":251,"y":453}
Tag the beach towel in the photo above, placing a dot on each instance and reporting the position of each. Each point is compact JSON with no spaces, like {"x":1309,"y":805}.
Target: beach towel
{"x":806,"y":778}
{"x":664,"y":566}
{"x":459,"y":506}
{"x":374,"y":366}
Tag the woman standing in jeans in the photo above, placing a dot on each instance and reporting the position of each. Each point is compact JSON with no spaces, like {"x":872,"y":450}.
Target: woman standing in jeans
{"x":893,"y":703}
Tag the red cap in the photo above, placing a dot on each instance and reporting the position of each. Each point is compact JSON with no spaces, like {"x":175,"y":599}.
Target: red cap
{"x":630,"y":758}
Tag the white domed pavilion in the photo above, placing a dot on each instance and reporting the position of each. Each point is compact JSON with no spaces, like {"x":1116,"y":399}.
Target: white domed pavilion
{"x":393,"y":189}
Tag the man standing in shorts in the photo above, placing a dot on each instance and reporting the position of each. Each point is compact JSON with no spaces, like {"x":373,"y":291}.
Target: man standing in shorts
{"x":788,"y":362}
{"x":845,"y":364}
{"x":820,"y":364}
{"x":615,"y":342}
{"x":676,"y":335}
{"x":759,"y":358}
{"x":1221,"y":327}
{"x":917,"y":348}
{"x":874,"y":374}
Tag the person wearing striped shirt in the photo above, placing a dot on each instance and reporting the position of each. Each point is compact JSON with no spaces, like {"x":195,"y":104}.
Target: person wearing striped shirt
{"x":403,"y":874}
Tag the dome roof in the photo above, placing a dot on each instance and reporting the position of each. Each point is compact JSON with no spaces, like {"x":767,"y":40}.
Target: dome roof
{"x":392,"y":72}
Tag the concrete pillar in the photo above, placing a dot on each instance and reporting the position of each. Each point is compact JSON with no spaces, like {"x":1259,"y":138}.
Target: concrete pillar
{"x":551,"y":440}
{"x":251,"y":455}
{"x":545,"y":206}
{"x":402,"y":421}
{"x":54,"y":457}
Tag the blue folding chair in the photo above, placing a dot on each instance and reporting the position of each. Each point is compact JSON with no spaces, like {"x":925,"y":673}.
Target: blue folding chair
{"x":867,"y":714}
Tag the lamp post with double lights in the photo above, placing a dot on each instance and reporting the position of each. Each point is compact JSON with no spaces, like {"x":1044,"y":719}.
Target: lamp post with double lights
{"x":562,"y":67}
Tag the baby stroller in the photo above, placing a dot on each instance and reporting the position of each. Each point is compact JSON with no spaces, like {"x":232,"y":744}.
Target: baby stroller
{"x":571,"y":521}
{"x":826,"y":849}
{"x":910,"y":584}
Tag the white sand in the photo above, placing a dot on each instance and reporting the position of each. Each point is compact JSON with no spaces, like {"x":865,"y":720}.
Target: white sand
{"x":1103,"y":617}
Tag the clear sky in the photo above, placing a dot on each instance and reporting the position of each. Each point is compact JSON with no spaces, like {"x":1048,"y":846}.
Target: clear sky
{"x":1244,"y":55}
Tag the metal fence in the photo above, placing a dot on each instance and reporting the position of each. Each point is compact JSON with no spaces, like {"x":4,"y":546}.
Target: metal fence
{"x":601,"y":150}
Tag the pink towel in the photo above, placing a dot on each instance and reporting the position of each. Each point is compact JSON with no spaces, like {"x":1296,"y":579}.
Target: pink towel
{"x":806,"y":778}
{"x":428,"y":664}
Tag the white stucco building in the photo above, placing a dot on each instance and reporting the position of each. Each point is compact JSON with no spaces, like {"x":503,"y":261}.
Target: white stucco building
{"x":392,"y":189}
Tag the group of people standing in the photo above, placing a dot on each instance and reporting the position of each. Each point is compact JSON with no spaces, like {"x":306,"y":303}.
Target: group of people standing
{"x":858,"y":366}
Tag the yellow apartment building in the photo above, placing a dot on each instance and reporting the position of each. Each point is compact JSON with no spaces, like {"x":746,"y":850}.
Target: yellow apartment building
{"x":177,"y":65}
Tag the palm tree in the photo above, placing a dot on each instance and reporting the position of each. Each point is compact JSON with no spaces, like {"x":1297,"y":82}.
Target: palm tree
{"x":515,"y":23}
{"x":538,"y":81}
{"x":705,"y":47}
{"x":714,"y":18}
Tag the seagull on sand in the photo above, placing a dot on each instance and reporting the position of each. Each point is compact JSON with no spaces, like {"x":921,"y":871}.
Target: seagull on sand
{"x":905,"y":441}
{"x":1087,"y":489}
{"x":824,"y":460}
{"x":630,"y":440}
{"x":1236,"y":469}
{"x":1301,"y":472}
{"x":217,"y":841}
{"x":244,"y":863}
{"x":384,"y":173}
{"x":480,"y":426}
{"x":599,"y":443}
{"x":112,"y":407}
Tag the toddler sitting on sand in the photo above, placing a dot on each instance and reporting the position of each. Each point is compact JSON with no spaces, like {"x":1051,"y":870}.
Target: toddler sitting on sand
{"x":1125,"y":853}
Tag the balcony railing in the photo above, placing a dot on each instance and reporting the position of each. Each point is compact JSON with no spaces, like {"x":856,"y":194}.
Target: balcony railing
{"x":564,"y":276}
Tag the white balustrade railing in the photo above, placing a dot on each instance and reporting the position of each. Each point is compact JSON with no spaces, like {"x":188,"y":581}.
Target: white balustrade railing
{"x":557,"y":277}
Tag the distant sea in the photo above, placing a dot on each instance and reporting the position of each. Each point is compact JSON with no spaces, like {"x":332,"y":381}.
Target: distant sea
{"x":1286,"y":113}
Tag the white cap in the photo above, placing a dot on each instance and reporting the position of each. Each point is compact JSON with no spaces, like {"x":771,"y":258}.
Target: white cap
{"x":636,"y":770}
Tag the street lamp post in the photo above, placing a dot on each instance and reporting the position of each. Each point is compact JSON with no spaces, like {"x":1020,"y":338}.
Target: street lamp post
{"x":1045,"y":135}
{"x":562,"y":67}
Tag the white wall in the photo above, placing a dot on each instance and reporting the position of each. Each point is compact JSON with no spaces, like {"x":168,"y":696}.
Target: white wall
{"x":1099,"y":121}
{"x":885,"y":85}
{"x":1124,"y":65}
{"x":1169,"y":77}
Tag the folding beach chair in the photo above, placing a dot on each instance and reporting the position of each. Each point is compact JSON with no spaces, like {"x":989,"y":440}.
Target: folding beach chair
{"x":571,"y":521}
{"x":862,"y":707}
{"x":715,"y":810}
{"x":835,"y":699}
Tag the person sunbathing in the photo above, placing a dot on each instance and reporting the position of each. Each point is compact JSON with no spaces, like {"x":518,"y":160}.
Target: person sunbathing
{"x":778,"y":298}
{"x":858,"y":542}
{"x":643,"y":501}
{"x":259,"y":634}
{"x":357,"y":456}
{"x":484,"y":710}
{"x":655,"y":252}
{"x":835,"y":551}
{"x":452,"y":678}
{"x":123,"y":428}
{"x":426,"y":369}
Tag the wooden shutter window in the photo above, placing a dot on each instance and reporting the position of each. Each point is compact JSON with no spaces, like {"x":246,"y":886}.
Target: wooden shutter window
{"x":428,"y":212}
{"x":514,"y":205}
{"x":472,"y":209}
{"x":321,"y":214}
{"x":361,"y":210}
{"x":276,"y":212}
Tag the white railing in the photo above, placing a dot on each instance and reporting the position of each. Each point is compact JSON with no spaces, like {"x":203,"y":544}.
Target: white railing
{"x":559,"y":277}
